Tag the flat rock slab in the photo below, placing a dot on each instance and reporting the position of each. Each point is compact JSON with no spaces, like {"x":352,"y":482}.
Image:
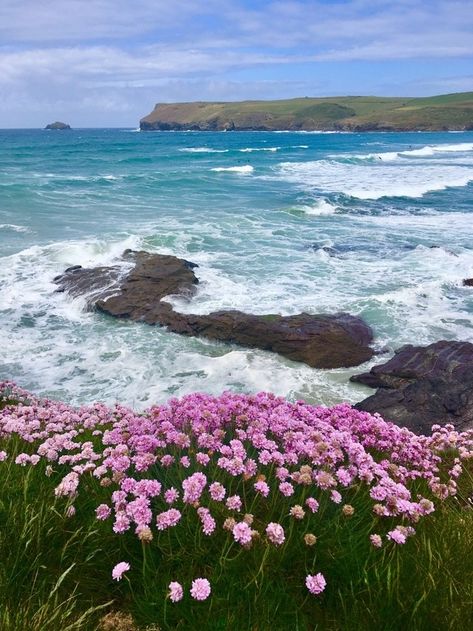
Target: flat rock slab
{"x":137,"y":291}
{"x":423,"y":385}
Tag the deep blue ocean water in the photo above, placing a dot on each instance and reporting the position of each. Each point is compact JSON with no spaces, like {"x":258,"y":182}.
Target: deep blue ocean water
{"x":379,"y":225}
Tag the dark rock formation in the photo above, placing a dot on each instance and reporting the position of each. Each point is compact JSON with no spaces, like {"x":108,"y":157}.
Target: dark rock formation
{"x":423,"y":385}
{"x":321,"y":341}
{"x":468,"y":282}
{"x":133,"y":291}
{"x":57,"y":125}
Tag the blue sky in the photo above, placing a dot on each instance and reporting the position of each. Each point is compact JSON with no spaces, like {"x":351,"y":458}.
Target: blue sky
{"x":107,"y":62}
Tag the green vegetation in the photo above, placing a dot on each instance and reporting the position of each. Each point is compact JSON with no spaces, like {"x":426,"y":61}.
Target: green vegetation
{"x":351,"y":113}
{"x":55,"y":571}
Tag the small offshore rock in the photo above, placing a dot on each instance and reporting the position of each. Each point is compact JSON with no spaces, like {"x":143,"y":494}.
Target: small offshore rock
{"x":58,"y":125}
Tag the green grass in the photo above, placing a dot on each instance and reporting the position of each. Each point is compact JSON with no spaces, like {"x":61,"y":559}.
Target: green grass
{"x":55,"y":571}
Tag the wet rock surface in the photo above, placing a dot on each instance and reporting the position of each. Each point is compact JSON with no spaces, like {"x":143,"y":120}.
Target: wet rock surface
{"x":423,"y":385}
{"x":136,"y":292}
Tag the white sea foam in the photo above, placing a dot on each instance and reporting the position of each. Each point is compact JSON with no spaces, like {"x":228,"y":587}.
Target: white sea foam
{"x":252,"y":149}
{"x":421,"y":152}
{"x":14,"y":228}
{"x":244,"y":170}
{"x":63,"y":177}
{"x":303,"y":131}
{"x":202,"y":150}
{"x":319,"y":208}
{"x":374,"y":181}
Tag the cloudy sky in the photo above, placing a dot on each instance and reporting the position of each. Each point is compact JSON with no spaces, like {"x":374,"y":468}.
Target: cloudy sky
{"x":96,"y":63}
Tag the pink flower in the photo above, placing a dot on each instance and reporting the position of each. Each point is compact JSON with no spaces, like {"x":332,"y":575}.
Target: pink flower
{"x":335,"y":497}
{"x":242,"y":533}
{"x":202,"y":458}
{"x":175,"y":591}
{"x":275,"y":533}
{"x":71,"y":511}
{"x":119,"y":570}
{"x":315,"y":583}
{"x":167,"y":460}
{"x":397,"y":536}
{"x":22,"y":459}
{"x":122,"y":523}
{"x":217,"y":491}
{"x":168,"y":519}
{"x":200,"y":589}
{"x":262,"y":488}
{"x":68,"y":485}
{"x":208,"y":522}
{"x":312,"y":504}
{"x":233,"y":503}
{"x":171,"y":495}
{"x":102,"y":512}
{"x":3,"y":455}
{"x":376,"y":541}
{"x":286,"y":489}
{"x":193,"y":487}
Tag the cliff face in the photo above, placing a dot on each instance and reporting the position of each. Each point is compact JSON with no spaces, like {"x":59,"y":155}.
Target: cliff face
{"x":447,"y":112}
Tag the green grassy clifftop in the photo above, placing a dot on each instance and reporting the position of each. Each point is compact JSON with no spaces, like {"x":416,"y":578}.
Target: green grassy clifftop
{"x":347,"y":113}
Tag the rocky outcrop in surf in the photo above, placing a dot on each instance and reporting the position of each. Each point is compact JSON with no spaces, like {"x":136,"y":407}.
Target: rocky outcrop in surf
{"x":138,"y":291}
{"x":423,"y":385}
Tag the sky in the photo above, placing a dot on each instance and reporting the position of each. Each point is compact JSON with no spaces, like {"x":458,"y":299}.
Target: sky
{"x":106,"y":63}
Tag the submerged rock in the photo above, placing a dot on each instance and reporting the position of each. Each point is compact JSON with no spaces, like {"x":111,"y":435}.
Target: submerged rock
{"x":58,"y":125}
{"x":468,"y":282}
{"x":423,"y":385}
{"x":137,"y":291}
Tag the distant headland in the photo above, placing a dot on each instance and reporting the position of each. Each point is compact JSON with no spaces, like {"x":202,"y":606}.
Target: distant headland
{"x":448,"y":112}
{"x":58,"y":125}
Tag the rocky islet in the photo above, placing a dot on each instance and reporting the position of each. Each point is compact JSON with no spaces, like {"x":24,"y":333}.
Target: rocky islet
{"x":58,"y":126}
{"x":137,"y":293}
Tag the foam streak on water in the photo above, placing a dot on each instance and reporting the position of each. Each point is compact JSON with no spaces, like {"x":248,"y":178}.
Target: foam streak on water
{"x":378,"y":225}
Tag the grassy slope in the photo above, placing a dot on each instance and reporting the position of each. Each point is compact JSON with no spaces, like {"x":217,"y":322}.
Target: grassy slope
{"x":450,"y":111}
{"x":55,"y":571}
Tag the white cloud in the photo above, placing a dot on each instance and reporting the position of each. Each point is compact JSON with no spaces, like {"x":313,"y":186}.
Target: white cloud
{"x":81,"y":20}
{"x":94,"y":57}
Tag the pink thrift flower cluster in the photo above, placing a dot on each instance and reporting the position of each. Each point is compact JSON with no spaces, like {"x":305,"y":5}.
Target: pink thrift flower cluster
{"x":119,"y":570}
{"x":176,"y":592}
{"x":200,"y":590}
{"x":202,"y":461}
{"x":315,"y":583}
{"x":275,"y":533}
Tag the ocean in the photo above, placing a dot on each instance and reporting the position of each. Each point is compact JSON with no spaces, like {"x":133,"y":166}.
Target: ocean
{"x":379,"y":225}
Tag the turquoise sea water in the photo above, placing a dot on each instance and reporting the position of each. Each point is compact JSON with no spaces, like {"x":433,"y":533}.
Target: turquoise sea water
{"x":379,"y":225}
